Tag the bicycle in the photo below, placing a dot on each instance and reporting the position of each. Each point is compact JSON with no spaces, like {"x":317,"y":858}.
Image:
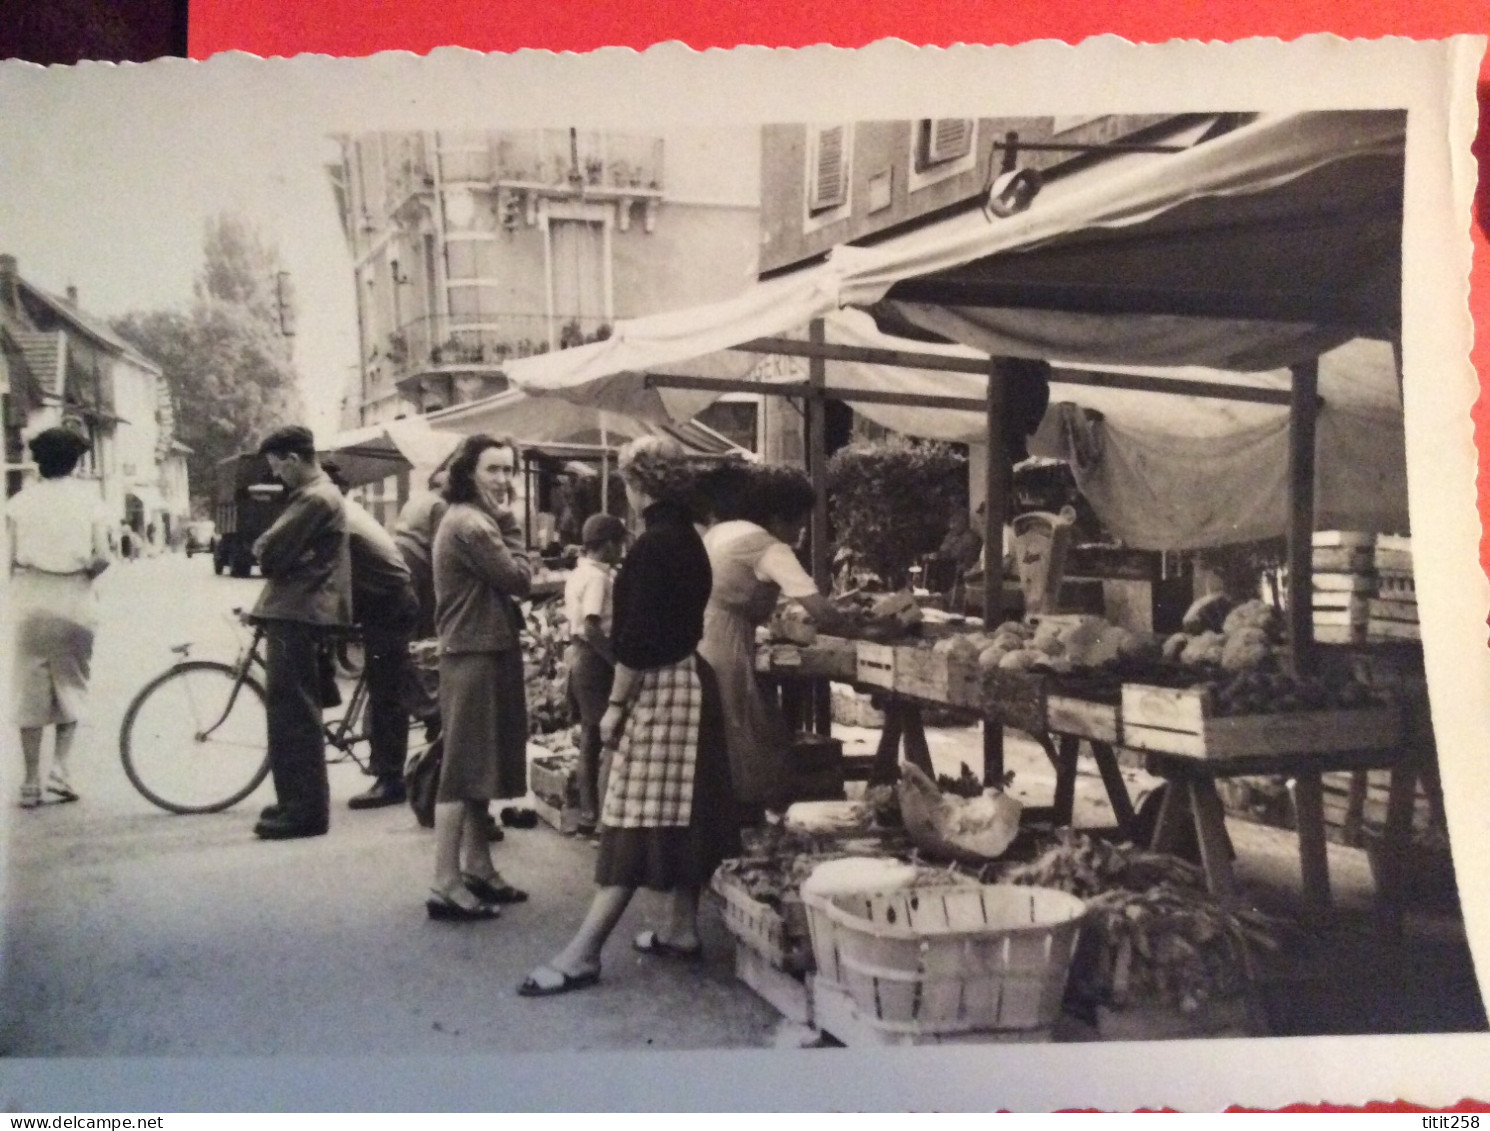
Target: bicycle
{"x":195,"y":738}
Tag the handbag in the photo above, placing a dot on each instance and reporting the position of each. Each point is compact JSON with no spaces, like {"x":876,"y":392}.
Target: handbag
{"x":422,"y":781}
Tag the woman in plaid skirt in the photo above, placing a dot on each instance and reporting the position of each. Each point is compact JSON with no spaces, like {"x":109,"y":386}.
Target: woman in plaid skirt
{"x":667,"y":818}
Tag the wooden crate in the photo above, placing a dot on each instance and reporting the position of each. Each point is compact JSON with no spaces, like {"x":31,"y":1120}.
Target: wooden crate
{"x":1390,"y":630}
{"x":555,"y":778}
{"x":1343,"y":559}
{"x":1396,"y":587}
{"x":1176,"y":721}
{"x":830,"y":657}
{"x":787,"y":993}
{"x":874,"y":664}
{"x":936,"y":677}
{"x":561,"y":818}
{"x":1067,"y":714}
{"x":782,"y":938}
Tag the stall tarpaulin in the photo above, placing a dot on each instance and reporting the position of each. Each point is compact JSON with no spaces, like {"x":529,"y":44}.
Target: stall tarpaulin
{"x":605,"y":423}
{"x":1255,"y":249}
{"x":376,"y":451}
{"x":1166,"y":471}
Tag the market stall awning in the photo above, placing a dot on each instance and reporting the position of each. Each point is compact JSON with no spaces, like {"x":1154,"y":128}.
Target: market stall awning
{"x":376,"y":451}
{"x":1257,"y":249}
{"x":558,"y":425}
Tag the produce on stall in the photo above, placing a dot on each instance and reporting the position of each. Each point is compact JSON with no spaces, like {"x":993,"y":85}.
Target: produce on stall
{"x":1153,"y":936}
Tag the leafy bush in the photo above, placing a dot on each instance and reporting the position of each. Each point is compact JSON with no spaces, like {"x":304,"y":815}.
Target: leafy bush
{"x":889,"y":501}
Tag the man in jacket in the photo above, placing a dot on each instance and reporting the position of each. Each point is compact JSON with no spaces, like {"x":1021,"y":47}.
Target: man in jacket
{"x":386,"y":610}
{"x":307,"y":569}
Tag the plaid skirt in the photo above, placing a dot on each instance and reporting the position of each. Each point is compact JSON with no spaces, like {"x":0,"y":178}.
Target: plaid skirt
{"x":664,"y":856}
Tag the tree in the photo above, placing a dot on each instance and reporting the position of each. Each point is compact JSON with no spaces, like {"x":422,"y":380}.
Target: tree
{"x":889,"y":501}
{"x":228,"y":366}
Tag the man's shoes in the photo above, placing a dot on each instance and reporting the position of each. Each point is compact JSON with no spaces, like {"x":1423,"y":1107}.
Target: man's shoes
{"x":283,"y":828}
{"x":384,"y":791}
{"x":271,"y":812}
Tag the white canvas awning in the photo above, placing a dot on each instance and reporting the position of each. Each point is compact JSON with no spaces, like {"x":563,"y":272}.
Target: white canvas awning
{"x":376,"y":451}
{"x":1257,"y":249}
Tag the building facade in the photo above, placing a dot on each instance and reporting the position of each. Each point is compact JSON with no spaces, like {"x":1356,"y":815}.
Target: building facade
{"x":470,"y":248}
{"x":65,"y":367}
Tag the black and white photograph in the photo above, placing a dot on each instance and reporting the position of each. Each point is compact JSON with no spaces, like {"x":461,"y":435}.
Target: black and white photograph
{"x":965,"y":550}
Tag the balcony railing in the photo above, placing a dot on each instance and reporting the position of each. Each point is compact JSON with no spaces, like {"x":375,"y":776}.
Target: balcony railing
{"x":446,"y":342}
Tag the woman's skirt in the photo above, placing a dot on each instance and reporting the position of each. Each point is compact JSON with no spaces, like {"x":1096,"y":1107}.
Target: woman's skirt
{"x":54,"y":617}
{"x":484,"y":713}
{"x":759,"y":739}
{"x":681,"y":856}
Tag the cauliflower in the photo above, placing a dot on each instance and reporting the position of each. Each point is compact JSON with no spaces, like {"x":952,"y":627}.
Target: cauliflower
{"x":1244,"y":648}
{"x":1048,"y":638}
{"x":1203,"y":649}
{"x":1252,"y":614}
{"x":1175,"y":646}
{"x":1019,"y":661}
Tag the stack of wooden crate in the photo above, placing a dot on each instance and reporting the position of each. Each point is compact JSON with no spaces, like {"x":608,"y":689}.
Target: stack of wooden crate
{"x":1394,"y":608}
{"x":1344,"y":581}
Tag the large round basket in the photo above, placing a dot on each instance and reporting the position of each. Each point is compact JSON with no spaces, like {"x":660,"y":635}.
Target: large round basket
{"x":948,"y":959}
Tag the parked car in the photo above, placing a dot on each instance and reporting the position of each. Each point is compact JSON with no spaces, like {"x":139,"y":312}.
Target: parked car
{"x":201,"y":537}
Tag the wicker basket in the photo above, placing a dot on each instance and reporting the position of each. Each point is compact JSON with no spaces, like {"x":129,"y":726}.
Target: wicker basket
{"x":948,"y":959}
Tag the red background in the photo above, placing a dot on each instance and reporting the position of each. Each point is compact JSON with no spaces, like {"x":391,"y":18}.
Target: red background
{"x":363,"y":27}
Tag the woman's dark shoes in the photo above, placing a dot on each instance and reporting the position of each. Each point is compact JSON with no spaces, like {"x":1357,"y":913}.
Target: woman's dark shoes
{"x":383,"y":792}
{"x":442,"y":906}
{"x":494,"y":831}
{"x":489,"y":891}
{"x":515,"y":818}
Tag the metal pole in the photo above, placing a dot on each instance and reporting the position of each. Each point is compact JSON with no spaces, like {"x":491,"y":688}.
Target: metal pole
{"x":1302,"y":414}
{"x":817,"y":464}
{"x":817,"y":459}
{"x":997,"y":476}
{"x":604,"y":468}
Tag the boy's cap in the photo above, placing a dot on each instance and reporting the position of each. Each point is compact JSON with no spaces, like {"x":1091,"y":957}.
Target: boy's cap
{"x":602,"y":528}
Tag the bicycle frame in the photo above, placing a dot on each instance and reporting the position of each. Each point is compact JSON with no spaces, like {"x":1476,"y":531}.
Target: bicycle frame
{"x":341,"y":733}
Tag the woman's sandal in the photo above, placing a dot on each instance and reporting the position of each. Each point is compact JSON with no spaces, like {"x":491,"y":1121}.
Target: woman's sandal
{"x":648,"y":943}
{"x":30,"y":796}
{"x":441,"y":905}
{"x":532,"y":986}
{"x":484,"y":889}
{"x":60,"y":788}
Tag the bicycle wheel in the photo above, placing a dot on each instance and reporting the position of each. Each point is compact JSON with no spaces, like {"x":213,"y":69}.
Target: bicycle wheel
{"x":168,"y":752}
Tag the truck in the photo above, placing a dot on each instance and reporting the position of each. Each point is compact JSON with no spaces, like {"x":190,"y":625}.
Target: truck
{"x":248,"y":498}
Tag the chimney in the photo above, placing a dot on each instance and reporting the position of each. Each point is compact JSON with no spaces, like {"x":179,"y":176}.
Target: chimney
{"x":72,"y":296}
{"x":8,"y":277}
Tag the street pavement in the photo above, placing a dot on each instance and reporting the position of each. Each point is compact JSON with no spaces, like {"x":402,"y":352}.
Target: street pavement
{"x":130,"y":931}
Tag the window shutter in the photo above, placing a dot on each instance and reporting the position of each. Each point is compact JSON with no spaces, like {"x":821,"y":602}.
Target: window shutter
{"x":829,"y":186}
{"x":948,"y":139}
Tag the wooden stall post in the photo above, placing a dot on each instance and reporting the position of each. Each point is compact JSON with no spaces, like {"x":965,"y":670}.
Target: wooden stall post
{"x":998,"y":475}
{"x":817,"y":467}
{"x":1303,"y":410}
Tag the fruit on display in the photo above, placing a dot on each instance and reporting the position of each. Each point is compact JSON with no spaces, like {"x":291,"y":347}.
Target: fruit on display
{"x":1062,"y":645}
{"x":1218,"y":633}
{"x":545,"y":640}
{"x":1260,"y":691}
